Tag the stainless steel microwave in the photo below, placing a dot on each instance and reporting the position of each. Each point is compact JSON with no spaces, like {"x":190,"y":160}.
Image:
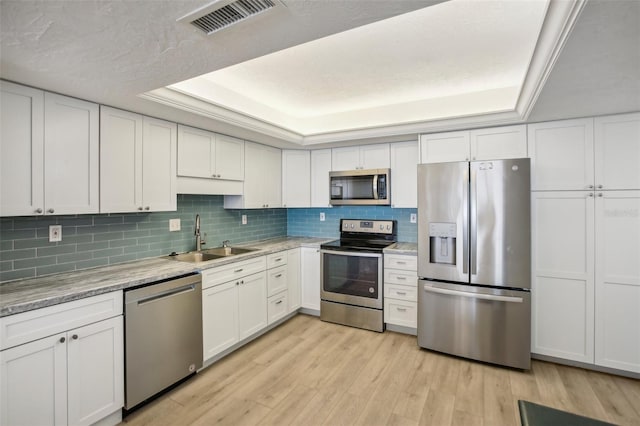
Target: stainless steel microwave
{"x":360,"y":187}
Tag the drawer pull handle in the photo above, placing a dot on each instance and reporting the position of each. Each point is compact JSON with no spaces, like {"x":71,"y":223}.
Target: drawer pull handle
{"x":278,"y":259}
{"x":401,"y":293}
{"x":401,"y":309}
{"x":278,"y":276}
{"x":238,"y":270}
{"x":279,"y":302}
{"x":401,"y":263}
{"x":401,"y":278}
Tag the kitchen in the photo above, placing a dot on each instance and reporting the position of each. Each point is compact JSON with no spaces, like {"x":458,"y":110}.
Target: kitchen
{"x":113,"y":234}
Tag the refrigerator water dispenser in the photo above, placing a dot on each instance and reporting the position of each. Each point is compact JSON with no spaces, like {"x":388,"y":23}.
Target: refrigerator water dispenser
{"x":442,"y":242}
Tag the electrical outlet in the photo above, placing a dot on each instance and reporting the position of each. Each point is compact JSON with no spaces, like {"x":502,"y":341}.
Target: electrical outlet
{"x":414,"y":218}
{"x":174,"y":225}
{"x":321,"y":216}
{"x":244,"y":219}
{"x":55,"y":233}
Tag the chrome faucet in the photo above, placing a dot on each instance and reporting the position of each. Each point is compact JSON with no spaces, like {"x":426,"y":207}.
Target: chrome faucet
{"x":225,"y":243}
{"x":199,"y":241}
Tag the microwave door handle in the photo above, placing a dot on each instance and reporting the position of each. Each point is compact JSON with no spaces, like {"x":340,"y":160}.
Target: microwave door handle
{"x":375,"y":187}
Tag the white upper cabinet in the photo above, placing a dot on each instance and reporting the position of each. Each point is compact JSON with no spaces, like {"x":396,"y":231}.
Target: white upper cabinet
{"x":617,"y":152}
{"x":296,"y":178}
{"x":404,"y":174}
{"x":561,"y":155}
{"x":137,"y":163}
{"x":444,"y":147}
{"x":48,"y":153}
{"x":360,"y":157}
{"x":262,"y":180}
{"x":320,"y":168}
{"x":499,"y":143}
{"x":209,"y":155}
{"x":481,"y":144}
{"x":21,"y":150}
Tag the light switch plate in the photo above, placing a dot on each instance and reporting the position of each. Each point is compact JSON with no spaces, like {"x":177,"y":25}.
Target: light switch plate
{"x":414,"y":218}
{"x":321,"y":216}
{"x":174,"y":225}
{"x":55,"y":233}
{"x":244,"y":219}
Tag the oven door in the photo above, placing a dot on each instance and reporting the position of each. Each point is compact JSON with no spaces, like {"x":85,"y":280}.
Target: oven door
{"x":354,"y":278}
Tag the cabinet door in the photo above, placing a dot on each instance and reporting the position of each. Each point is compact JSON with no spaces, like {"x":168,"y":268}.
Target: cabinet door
{"x":252,"y":304}
{"x":71,"y":152}
{"x":310,"y":278}
{"x":320,"y":168}
{"x":229,"y":158}
{"x":95,"y":359}
{"x":159,"y":146}
{"x":294,"y":283}
{"x":444,"y":147}
{"x":617,"y":321}
{"x":499,"y":142}
{"x":404,"y":174}
{"x":347,"y":158}
{"x":21,"y":150}
{"x":252,"y":197}
{"x":563,"y":274}
{"x":374,"y":156}
{"x":561,"y":155}
{"x":272,"y":177}
{"x":296,"y":175}
{"x":195,"y":152}
{"x":219,"y":318}
{"x":33,"y":383}
{"x":617,"y":152}
{"x":120,"y":161}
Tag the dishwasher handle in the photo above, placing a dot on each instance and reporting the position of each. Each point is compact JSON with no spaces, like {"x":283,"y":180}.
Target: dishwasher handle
{"x":165,"y":294}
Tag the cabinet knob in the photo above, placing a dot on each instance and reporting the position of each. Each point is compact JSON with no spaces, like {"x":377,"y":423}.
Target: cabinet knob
{"x":591,"y":194}
{"x":219,"y":176}
{"x":50,"y":211}
{"x":74,"y":337}
{"x":62,"y":340}
{"x":146,"y":208}
{"x":38,"y":210}
{"x":600,"y":194}
{"x":599,"y":187}
{"x":140,"y":208}
{"x":242,"y":282}
{"x":237,"y":282}
{"x":589,"y":186}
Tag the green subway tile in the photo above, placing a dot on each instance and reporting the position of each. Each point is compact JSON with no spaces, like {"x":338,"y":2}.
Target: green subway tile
{"x":135,"y":218}
{"x":92,"y":229}
{"x":20,"y":234}
{"x":108,"y":236}
{"x":18,"y":254}
{"x":34,"y":262}
{"x":75,"y":239}
{"x":107,"y":220}
{"x":6,"y":245}
{"x":6,"y":224}
{"x":6,"y":265}
{"x":124,"y":227}
{"x":75,"y":257}
{"x":77,"y":221}
{"x":135,"y":249}
{"x":123,"y":243}
{"x":55,"y":269}
{"x":33,"y":243}
{"x":137,"y":234}
{"x":33,"y":223}
{"x":50,"y":251}
{"x":93,"y":246}
{"x":93,"y":263}
{"x":17,"y":274}
{"x":122,"y":258}
{"x":107,"y":252}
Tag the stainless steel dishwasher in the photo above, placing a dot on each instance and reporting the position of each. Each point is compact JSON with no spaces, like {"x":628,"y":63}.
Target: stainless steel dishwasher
{"x":163,"y":336}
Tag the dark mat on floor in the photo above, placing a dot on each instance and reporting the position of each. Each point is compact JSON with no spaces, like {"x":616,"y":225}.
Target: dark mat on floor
{"x":538,"y":415}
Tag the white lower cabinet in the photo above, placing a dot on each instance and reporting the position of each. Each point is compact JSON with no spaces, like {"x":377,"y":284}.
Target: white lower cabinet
{"x":401,"y":290}
{"x":277,"y":307}
{"x":293,"y":279}
{"x":252,"y":306}
{"x":73,"y":377}
{"x":310,"y":278}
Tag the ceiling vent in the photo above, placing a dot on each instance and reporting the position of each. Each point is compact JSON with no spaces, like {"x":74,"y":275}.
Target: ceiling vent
{"x":223,"y":13}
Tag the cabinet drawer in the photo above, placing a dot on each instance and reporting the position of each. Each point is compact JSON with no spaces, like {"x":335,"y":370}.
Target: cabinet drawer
{"x":222,"y":274}
{"x":276,"y":280}
{"x":276,"y":259}
{"x":402,"y":277}
{"x":277,"y":307}
{"x":28,"y":326}
{"x":399,"y":261}
{"x":399,"y":312}
{"x":401,"y":292}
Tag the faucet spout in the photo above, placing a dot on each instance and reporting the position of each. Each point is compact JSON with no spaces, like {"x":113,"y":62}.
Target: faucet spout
{"x":196,"y":232}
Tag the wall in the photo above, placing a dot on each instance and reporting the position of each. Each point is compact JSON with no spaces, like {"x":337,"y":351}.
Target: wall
{"x":97,"y":240}
{"x":306,"y":222}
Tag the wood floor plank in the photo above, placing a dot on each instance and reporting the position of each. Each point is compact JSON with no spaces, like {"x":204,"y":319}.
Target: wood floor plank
{"x":309,"y":372}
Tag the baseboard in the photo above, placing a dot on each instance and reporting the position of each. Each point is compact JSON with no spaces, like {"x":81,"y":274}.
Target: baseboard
{"x":402,"y":329}
{"x":586,"y":366}
{"x":308,"y":311}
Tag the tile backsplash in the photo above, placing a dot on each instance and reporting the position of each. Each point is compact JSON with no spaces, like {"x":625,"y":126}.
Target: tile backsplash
{"x":97,"y":240}
{"x":306,"y":222}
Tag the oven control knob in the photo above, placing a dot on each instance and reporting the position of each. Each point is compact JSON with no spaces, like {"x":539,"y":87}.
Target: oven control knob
{"x":381,"y":227}
{"x":352,"y":226}
{"x":388,"y":227}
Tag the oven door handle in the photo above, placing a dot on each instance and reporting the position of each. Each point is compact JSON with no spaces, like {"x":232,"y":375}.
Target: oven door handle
{"x":351,"y":253}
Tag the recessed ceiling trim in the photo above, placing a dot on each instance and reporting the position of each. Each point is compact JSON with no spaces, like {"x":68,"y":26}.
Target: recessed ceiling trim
{"x":559,"y":22}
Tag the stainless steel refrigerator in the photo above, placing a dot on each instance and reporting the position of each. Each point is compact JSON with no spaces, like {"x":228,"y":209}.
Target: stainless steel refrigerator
{"x":474,"y":260}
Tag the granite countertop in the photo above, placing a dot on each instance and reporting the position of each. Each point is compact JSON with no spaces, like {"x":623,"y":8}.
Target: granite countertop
{"x":33,"y":293}
{"x":402,"y":248}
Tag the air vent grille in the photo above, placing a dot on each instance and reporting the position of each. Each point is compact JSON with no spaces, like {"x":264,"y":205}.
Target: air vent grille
{"x":231,"y":14}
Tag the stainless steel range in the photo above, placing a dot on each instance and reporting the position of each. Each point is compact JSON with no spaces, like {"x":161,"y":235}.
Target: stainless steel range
{"x":351,"y":271}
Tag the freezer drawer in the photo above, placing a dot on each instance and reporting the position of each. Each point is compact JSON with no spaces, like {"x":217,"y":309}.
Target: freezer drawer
{"x":485,"y":324}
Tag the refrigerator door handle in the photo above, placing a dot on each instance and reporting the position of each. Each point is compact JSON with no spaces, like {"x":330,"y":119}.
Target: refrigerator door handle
{"x":482,"y":296}
{"x":473,"y":207}
{"x":465,"y":222}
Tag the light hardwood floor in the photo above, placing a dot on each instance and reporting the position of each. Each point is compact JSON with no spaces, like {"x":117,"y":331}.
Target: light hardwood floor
{"x":308,"y":372}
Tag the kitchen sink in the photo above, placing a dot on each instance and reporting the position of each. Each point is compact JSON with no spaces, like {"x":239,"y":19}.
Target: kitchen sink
{"x":228,"y":251}
{"x":194,"y":257}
